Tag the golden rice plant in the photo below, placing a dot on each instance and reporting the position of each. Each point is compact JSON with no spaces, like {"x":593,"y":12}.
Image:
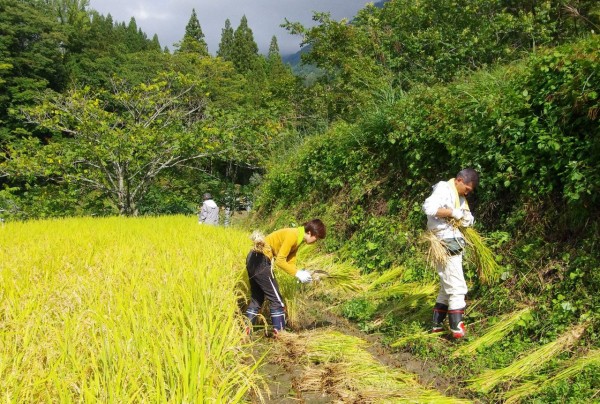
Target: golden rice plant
{"x":526,"y":365}
{"x":488,"y":269}
{"x":494,"y":334}
{"x":122,"y":310}
{"x":572,"y":368}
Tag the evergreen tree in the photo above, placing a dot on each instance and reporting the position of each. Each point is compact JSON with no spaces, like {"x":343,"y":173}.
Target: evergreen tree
{"x":245,"y":50}
{"x":31,"y":58}
{"x":193,"y":40}
{"x":226,"y":45}
{"x":274,"y":49}
{"x":275,"y":66}
{"x":155,"y":44}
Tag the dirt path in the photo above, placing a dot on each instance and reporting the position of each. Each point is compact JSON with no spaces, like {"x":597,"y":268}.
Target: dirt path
{"x":283,"y":375}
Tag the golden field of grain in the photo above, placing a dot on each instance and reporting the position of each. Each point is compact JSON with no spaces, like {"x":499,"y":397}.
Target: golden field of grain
{"x":122,"y":310}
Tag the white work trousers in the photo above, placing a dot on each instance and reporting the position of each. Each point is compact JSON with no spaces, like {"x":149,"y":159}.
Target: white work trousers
{"x":453,"y":287}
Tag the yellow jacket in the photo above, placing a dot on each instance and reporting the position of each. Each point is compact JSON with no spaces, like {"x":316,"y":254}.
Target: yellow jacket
{"x":283,"y":245}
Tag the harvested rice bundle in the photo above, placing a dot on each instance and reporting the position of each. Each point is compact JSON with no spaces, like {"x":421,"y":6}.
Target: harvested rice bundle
{"x":334,"y":346}
{"x":437,"y":254}
{"x":488,"y":269}
{"x":333,"y":275}
{"x":335,"y":278}
{"x":573,"y":368}
{"x":258,"y":241}
{"x":526,"y":365}
{"x":494,"y":333}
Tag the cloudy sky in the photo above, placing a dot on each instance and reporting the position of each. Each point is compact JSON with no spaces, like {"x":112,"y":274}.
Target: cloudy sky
{"x":168,"y":18}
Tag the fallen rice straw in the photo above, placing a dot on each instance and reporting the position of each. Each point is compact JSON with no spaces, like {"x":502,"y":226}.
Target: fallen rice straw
{"x":340,"y":365}
{"x":387,"y":276}
{"x":404,"y":289}
{"x":494,"y":334}
{"x":526,"y":365}
{"x":531,"y":387}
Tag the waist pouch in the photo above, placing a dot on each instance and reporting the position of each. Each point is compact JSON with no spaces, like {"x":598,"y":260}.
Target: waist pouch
{"x":454,"y":246}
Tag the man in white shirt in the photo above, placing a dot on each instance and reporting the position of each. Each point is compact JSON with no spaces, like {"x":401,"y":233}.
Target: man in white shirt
{"x":209,"y":212}
{"x":447,"y":210}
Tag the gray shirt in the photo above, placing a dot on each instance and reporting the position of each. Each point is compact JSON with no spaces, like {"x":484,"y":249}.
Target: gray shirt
{"x":209,"y":213}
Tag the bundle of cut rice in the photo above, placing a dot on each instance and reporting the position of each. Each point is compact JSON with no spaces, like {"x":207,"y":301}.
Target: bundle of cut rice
{"x":437,"y":254}
{"x":258,"y":240}
{"x":488,"y":269}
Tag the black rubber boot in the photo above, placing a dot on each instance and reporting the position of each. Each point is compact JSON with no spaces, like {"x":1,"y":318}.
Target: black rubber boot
{"x":278,"y":320}
{"x":251,"y":315}
{"x":457,"y":326}
{"x":439,"y":315}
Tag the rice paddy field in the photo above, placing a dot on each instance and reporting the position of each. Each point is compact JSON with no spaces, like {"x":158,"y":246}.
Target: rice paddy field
{"x":122,"y":310}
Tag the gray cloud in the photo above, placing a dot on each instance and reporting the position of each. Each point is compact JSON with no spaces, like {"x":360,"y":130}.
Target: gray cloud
{"x":168,"y":18}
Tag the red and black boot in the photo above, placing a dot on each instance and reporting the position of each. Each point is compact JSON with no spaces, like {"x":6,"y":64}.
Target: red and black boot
{"x":457,"y":326}
{"x":439,"y":315}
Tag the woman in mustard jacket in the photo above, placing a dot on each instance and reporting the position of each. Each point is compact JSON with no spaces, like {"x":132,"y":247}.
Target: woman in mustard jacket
{"x":280,"y":247}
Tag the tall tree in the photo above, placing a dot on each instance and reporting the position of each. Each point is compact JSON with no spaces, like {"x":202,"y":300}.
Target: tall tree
{"x":226,"y":45}
{"x":193,"y":39}
{"x":118,"y":142}
{"x":274,"y":49}
{"x":245,"y":50}
{"x":30,"y":57}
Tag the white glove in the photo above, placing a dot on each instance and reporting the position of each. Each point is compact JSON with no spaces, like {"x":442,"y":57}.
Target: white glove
{"x":457,"y":213}
{"x":303,"y":276}
{"x":467,"y":219}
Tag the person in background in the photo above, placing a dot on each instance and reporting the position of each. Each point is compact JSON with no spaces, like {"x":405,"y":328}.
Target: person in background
{"x":447,"y":209}
{"x":279,"y":248}
{"x":209,"y":212}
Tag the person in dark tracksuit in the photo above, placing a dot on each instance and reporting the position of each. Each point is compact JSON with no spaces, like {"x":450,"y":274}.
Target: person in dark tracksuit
{"x":279,"y":248}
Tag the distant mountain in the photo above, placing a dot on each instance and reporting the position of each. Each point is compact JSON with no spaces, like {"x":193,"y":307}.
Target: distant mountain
{"x":295,"y":60}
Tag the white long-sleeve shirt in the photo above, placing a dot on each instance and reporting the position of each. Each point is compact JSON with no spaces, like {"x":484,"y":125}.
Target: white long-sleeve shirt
{"x":444,"y":197}
{"x":209,"y":214}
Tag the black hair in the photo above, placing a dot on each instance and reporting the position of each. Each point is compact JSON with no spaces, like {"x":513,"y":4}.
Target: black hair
{"x":469,"y":176}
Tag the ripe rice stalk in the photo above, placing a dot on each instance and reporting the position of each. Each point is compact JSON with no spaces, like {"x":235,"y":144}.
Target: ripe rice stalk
{"x":526,"y":365}
{"x":572,"y":368}
{"x":123,"y":310}
{"x":488,"y":269}
{"x":437,"y":254}
{"x":494,"y":334}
